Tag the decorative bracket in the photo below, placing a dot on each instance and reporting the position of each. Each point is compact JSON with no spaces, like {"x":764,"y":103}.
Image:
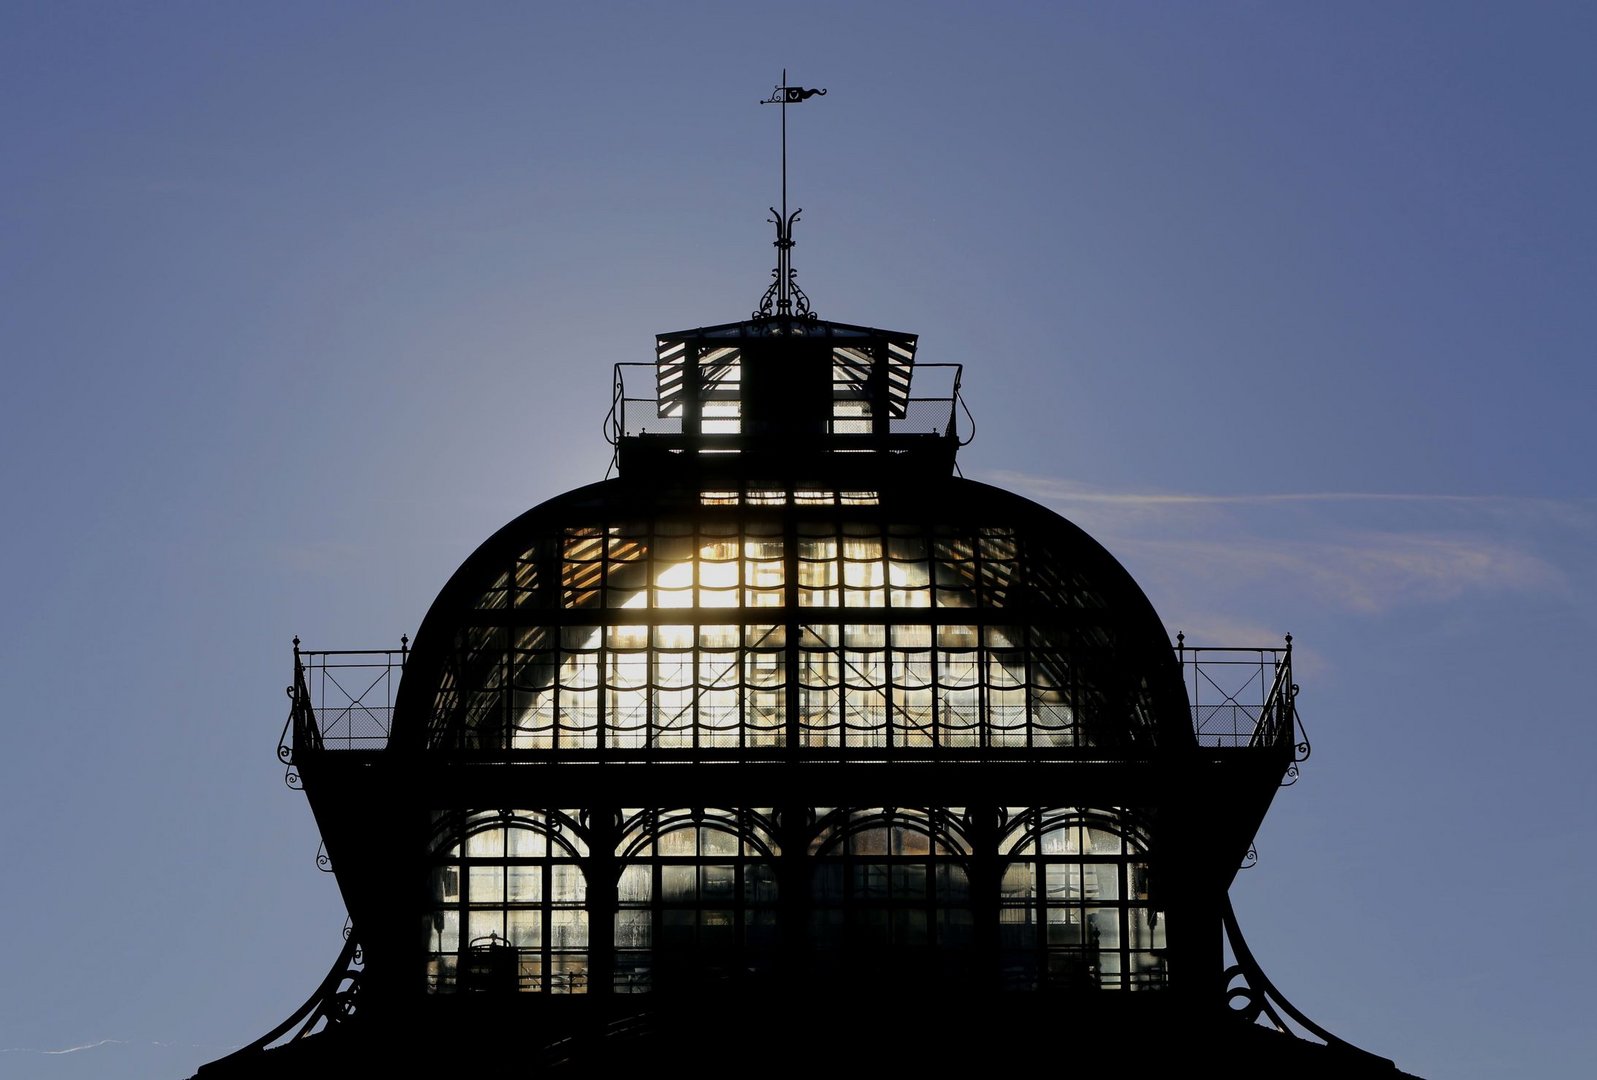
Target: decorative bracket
{"x":1251,"y":994}
{"x":332,"y":1005}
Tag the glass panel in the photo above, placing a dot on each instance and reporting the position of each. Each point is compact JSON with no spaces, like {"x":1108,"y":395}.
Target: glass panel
{"x":719,"y":882}
{"x":1064,"y":840}
{"x":718,"y":842}
{"x":908,"y":841}
{"x":524,"y":928}
{"x":486,"y":843}
{"x":485,"y":924}
{"x":568,"y":929}
{"x":1102,"y":881}
{"x":1145,"y":931}
{"x":953,"y":885}
{"x":1063,"y":882}
{"x":522,"y":883}
{"x":444,"y":928}
{"x":720,"y":636}
{"x":872,"y":841}
{"x":487,"y":884}
{"x":759,"y":883}
{"x":679,"y":842}
{"x":635,"y":886}
{"x":567,"y":885}
{"x":1065,"y":926}
{"x":633,"y":929}
{"x":1103,"y":928}
{"x":1019,"y":882}
{"x":678,"y":884}
{"x":1101,"y":841}
{"x":909,"y":880}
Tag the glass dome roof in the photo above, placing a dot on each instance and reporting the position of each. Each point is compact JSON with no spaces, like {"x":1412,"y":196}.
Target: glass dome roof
{"x":944,"y":619}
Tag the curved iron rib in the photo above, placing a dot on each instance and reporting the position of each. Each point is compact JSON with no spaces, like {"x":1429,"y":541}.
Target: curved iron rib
{"x":328,"y":1001}
{"x":1261,"y":996}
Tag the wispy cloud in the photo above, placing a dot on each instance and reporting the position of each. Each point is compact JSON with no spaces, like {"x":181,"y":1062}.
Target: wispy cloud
{"x":1354,"y":551}
{"x":1054,"y":487}
{"x":1363,"y":571}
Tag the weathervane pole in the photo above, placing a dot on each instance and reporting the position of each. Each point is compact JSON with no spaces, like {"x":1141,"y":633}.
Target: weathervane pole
{"x":784,"y":143}
{"x":780,"y":297}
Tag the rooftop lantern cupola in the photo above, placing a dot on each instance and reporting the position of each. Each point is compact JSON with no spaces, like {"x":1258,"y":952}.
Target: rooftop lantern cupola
{"x":789,"y":743}
{"x":785,"y":395}
{"x":785,"y":399}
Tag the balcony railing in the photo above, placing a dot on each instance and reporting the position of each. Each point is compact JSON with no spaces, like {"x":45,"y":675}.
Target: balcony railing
{"x":1240,"y":697}
{"x":345,"y":700}
{"x":932,"y":409}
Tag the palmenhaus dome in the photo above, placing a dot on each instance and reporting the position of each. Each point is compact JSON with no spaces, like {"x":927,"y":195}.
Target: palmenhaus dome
{"x":788,"y":744}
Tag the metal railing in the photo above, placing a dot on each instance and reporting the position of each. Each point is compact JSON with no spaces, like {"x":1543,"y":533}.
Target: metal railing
{"x":345,"y":700}
{"x":635,"y":408}
{"x":1239,"y":697}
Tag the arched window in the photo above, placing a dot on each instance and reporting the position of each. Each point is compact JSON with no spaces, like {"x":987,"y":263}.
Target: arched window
{"x":890,"y":894}
{"x":508,"y":896}
{"x":1076,"y":910}
{"x":696,"y":898}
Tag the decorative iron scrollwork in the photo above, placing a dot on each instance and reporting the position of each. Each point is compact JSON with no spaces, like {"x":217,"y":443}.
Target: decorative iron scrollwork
{"x":285,"y":749}
{"x":1301,"y":747}
{"x":334,"y":1003}
{"x":1243,"y":1000}
{"x":1251,"y":859}
{"x":783,"y":298}
{"x":790,"y":95}
{"x":1251,"y":994}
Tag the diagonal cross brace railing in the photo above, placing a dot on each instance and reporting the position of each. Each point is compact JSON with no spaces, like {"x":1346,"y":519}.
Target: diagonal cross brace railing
{"x":1241,"y":697}
{"x":340,"y":700}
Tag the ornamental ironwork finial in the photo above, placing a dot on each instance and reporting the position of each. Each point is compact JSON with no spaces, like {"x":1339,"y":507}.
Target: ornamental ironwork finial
{"x":783,"y":298}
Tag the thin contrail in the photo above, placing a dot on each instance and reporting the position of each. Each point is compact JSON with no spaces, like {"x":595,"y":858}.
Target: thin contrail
{"x":67,"y":1050}
{"x":109,"y":1042}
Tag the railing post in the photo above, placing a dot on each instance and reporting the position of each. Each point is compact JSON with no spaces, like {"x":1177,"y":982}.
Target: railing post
{"x":306,"y":734}
{"x":1288,"y":717}
{"x":297,"y":708}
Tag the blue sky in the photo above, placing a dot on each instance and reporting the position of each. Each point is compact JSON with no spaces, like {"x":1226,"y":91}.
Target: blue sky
{"x":1291,"y":306}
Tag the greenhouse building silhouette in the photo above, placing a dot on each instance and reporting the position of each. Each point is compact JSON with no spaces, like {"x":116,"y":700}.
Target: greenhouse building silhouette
{"x":787,"y":746}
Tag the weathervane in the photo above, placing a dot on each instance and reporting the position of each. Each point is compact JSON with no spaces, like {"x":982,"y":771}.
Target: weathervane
{"x":780,"y":299}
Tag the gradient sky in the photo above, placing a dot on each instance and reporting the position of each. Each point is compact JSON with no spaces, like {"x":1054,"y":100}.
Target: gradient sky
{"x":1291,"y":306}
